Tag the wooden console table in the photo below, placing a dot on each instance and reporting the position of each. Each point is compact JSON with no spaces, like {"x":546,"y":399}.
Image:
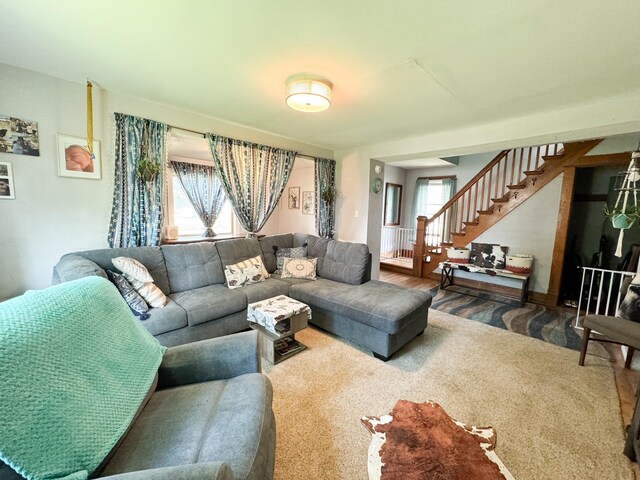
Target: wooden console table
{"x":446,"y":279}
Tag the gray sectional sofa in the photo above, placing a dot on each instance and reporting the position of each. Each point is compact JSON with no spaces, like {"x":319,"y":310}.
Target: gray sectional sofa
{"x":375,"y":315}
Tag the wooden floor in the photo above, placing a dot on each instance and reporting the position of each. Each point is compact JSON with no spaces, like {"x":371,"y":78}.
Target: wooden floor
{"x":627,"y":380}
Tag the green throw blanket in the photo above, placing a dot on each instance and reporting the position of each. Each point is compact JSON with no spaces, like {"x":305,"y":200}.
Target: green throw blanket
{"x":75,"y":366}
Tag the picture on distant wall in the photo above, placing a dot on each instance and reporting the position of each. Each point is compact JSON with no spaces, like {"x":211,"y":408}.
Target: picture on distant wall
{"x":74,"y":159}
{"x":294,"y":197}
{"x":19,"y":137}
{"x":6,"y":182}
{"x":308,"y":203}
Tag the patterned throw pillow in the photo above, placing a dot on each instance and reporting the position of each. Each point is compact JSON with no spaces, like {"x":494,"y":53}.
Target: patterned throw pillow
{"x":282,"y":253}
{"x":299,"y":268}
{"x":489,"y":255}
{"x":132,"y":268}
{"x":240,"y":275}
{"x":257,"y":260}
{"x":630,"y":306}
{"x":136,"y":303}
{"x":141,"y":280}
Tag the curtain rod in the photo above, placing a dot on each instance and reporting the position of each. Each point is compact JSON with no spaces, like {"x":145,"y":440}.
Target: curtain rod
{"x":204,"y":135}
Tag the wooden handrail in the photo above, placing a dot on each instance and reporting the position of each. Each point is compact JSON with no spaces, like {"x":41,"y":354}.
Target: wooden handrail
{"x":471,"y":182}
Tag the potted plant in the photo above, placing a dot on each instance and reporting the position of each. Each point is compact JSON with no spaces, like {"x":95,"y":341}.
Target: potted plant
{"x":148,"y":169}
{"x":622,"y":219}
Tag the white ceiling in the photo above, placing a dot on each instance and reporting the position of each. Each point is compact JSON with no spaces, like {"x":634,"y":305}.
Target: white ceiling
{"x":423,"y":163}
{"x":399,"y":68}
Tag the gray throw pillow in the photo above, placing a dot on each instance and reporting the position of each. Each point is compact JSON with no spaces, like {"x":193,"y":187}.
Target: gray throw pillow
{"x":136,"y":303}
{"x":282,"y":253}
{"x":630,"y":306}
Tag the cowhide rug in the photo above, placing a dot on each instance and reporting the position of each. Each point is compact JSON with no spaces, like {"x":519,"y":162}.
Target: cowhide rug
{"x":420,"y":441}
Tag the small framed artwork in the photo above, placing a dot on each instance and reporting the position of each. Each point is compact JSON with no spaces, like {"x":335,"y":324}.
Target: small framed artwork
{"x":7,"y":191}
{"x":74,"y":159}
{"x":308,"y":203}
{"x":19,"y":136}
{"x":294,"y":197}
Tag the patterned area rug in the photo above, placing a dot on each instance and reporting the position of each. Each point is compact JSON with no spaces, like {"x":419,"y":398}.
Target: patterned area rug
{"x":550,"y":324}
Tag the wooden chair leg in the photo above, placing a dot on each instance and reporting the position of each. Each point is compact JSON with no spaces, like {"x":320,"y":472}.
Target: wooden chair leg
{"x":627,"y":362}
{"x":585,"y":343}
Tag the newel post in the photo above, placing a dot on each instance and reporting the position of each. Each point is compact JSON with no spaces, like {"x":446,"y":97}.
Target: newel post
{"x":419,"y":246}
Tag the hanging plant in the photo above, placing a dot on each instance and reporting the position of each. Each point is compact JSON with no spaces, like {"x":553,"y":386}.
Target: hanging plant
{"x":328,"y":194}
{"x":148,"y":169}
{"x":623,"y":219}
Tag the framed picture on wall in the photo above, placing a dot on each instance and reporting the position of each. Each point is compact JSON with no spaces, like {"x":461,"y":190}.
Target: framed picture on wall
{"x":19,"y":136}
{"x":7,"y":191}
{"x":294,"y":197}
{"x":74,"y":159}
{"x":308,"y":201}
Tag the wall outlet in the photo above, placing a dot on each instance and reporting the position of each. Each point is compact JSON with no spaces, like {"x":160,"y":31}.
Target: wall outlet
{"x":355,"y":214}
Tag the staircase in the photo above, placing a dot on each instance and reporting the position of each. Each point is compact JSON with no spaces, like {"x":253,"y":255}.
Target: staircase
{"x":502,"y":185}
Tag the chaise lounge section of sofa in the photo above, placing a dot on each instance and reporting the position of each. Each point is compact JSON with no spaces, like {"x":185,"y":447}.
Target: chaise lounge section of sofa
{"x":378,"y":316}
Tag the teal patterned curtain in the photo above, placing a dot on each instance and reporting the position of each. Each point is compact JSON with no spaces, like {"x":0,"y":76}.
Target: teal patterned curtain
{"x":253,"y":177}
{"x":137,"y":211}
{"x":202,"y":185}
{"x":325,"y":180}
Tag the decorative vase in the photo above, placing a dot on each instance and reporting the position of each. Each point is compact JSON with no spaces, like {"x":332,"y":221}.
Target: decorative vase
{"x":519,"y":263}
{"x":458,"y":255}
{"x":622,"y":221}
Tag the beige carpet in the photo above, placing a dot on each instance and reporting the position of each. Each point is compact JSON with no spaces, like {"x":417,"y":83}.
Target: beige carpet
{"x":554,"y":419}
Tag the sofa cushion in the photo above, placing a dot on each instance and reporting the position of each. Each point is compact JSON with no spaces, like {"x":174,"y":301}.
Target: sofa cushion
{"x":192,"y":266}
{"x":234,"y":251}
{"x":224,"y":420}
{"x":72,"y":267}
{"x":380,"y":305}
{"x":345,"y":262}
{"x":267,"y":244}
{"x":316,"y":248}
{"x":291,"y":281}
{"x":263,"y":290}
{"x":150,"y":257}
{"x":300,"y":239}
{"x":170,"y":317}
{"x":209,"y":303}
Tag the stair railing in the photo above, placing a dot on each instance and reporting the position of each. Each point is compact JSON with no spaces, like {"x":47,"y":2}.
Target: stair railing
{"x":506,"y":172}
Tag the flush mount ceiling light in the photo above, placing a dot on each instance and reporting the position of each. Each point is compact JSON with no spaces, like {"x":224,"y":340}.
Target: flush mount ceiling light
{"x":307,"y":95}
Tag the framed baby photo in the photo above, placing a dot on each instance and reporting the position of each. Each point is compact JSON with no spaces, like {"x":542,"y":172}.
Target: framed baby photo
{"x":7,"y":190}
{"x":75,"y":160}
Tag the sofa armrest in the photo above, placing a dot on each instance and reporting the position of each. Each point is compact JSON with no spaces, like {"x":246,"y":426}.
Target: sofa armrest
{"x":212,"y":359}
{"x":72,"y":267}
{"x":195,"y":471}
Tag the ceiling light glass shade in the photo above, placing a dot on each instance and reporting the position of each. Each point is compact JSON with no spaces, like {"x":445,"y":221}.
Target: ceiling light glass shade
{"x":309,"y":95}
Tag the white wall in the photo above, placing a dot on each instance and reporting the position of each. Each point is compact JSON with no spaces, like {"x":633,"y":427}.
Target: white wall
{"x":51,"y":215}
{"x":521,"y":234}
{"x":293,"y":220}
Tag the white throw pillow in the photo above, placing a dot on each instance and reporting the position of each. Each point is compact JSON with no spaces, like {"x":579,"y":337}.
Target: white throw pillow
{"x":238,"y":275}
{"x":257,"y":260}
{"x":141,"y":280}
{"x":299,"y":268}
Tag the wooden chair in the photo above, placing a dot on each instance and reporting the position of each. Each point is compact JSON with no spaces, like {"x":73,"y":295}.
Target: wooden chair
{"x":616,"y":330}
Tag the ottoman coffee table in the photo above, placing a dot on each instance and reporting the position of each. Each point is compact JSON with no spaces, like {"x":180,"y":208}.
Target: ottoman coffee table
{"x":277,"y":320}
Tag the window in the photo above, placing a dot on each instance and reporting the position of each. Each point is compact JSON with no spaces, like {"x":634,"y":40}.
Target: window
{"x":185,"y":217}
{"x":430,"y":194}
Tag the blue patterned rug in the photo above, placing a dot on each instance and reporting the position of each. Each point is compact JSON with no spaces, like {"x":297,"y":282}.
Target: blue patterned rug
{"x":550,"y":324}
